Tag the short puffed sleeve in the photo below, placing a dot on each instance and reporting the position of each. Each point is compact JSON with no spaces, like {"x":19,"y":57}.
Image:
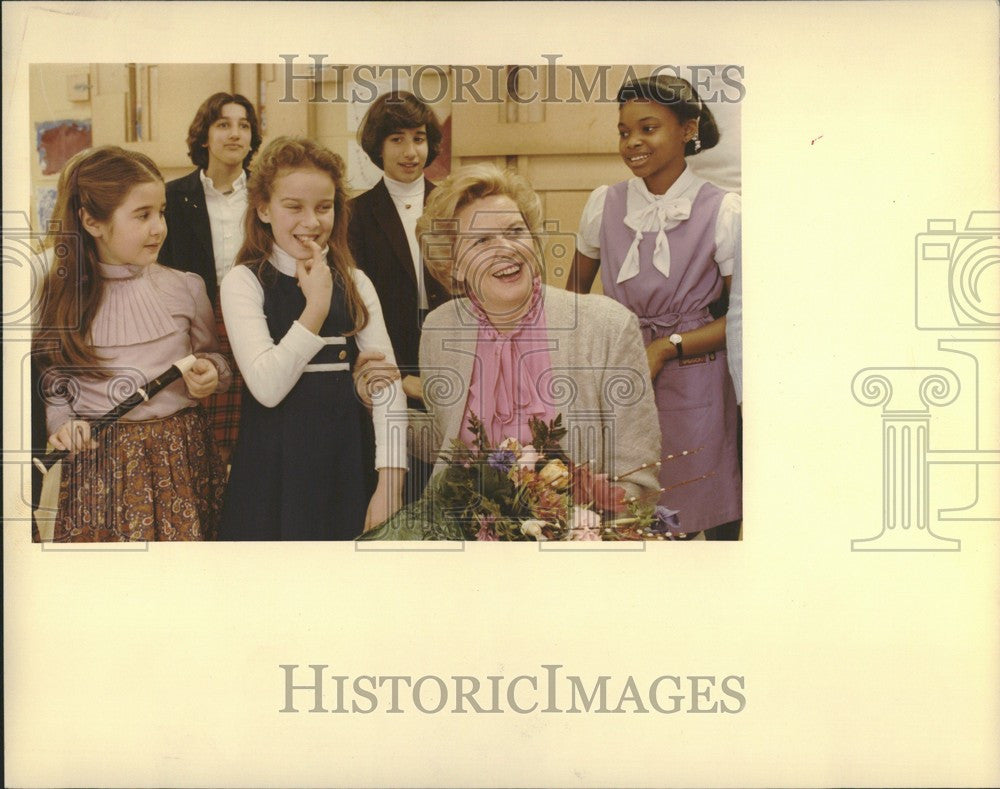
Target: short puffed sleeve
{"x":727,"y":227}
{"x":588,"y":240}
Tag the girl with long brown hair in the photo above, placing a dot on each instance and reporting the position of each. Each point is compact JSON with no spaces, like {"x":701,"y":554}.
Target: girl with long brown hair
{"x":111,"y":319}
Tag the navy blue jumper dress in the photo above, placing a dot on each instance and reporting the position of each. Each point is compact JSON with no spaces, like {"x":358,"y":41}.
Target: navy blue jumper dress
{"x":297,"y":470}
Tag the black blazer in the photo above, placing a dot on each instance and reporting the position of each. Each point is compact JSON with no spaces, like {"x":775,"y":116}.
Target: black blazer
{"x":189,"y":234}
{"x":378,"y":243}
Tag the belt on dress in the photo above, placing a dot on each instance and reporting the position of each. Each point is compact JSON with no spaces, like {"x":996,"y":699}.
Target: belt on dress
{"x":666,"y":322}
{"x":343,"y":362}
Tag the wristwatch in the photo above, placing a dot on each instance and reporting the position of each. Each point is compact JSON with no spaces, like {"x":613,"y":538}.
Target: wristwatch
{"x":676,"y":340}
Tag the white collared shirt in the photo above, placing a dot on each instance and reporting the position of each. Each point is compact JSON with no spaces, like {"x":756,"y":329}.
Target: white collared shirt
{"x":271,"y":369}
{"x":225,"y":217}
{"x":412,"y":195}
{"x":638,"y":196}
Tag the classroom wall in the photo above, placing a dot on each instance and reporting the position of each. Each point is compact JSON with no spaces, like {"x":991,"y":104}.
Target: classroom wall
{"x":564,"y":141}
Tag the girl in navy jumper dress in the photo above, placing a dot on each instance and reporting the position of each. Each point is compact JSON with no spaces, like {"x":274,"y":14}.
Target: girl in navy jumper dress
{"x":297,"y":312}
{"x":665,"y":242}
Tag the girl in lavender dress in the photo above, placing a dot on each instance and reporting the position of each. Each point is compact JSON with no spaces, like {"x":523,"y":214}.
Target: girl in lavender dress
{"x":113,"y":318}
{"x":664,"y":242}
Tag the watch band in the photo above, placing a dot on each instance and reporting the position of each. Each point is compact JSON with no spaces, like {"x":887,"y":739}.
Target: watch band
{"x":677,"y":342}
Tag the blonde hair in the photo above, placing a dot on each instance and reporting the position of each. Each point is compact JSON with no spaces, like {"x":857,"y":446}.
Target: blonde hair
{"x":96,"y":181}
{"x":437,"y":228}
{"x":278,"y":158}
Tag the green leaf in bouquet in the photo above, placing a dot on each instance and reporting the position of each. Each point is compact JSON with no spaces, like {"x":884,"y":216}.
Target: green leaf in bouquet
{"x":421,"y":520}
{"x":478,"y":430}
{"x":508,"y":529}
{"x":545,"y":437}
{"x":496,"y":486}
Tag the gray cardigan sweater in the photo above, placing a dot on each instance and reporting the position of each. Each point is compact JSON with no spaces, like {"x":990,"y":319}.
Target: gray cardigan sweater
{"x":601,"y":384}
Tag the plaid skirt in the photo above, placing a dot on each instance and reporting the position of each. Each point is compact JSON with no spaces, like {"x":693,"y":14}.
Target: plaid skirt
{"x":162,"y":479}
{"x":223,"y":409}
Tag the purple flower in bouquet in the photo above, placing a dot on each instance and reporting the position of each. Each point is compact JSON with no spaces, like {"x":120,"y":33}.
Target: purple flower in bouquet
{"x":486,"y":533}
{"x":501,"y":460}
{"x":665,"y":521}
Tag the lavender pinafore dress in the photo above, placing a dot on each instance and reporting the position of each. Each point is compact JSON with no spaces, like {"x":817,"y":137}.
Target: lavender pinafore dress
{"x":694,"y":396}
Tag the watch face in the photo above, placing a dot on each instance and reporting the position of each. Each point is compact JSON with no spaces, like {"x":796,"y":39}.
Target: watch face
{"x":675,"y":338}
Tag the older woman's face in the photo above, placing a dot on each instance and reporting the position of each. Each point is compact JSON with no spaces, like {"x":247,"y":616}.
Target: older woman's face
{"x":495,"y":257}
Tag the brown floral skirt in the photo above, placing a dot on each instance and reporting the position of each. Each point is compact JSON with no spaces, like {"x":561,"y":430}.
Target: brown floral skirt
{"x":157,"y":480}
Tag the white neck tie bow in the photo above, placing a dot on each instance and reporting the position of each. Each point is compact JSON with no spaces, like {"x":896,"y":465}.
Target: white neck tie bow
{"x":661,"y":215}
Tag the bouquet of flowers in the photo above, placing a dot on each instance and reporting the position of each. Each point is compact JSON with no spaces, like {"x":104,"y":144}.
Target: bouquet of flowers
{"x":535,"y":492}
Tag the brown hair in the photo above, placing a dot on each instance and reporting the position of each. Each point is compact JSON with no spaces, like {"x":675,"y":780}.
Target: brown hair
{"x":437,"y":229}
{"x":393,"y":112}
{"x":278,"y":158}
{"x":208,"y":113}
{"x":96,"y":181}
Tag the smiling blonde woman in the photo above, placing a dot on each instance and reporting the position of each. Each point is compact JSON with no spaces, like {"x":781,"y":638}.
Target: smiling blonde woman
{"x":510,"y":348}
